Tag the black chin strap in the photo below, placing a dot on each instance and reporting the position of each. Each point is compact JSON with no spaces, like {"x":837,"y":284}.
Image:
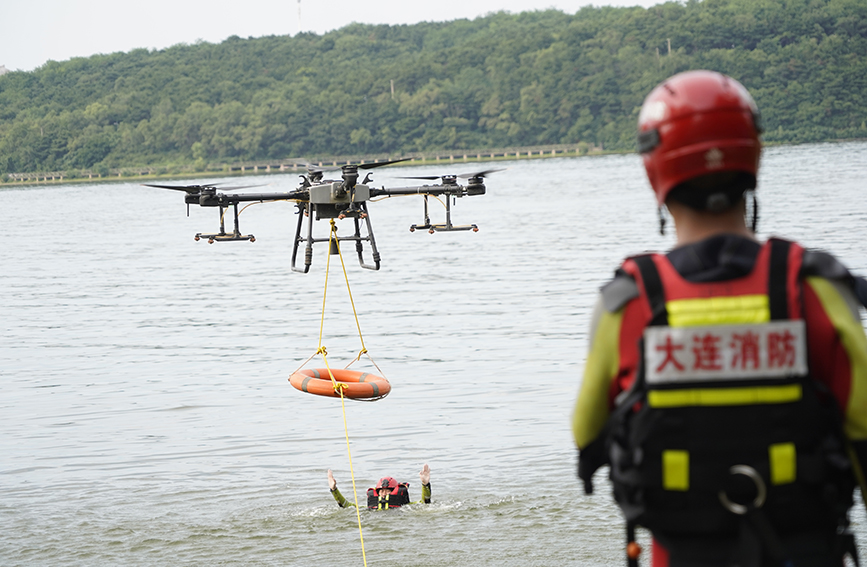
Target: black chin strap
{"x":754,"y":223}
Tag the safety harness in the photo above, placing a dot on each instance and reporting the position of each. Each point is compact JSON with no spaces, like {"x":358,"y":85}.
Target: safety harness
{"x":723,"y":434}
{"x":394,"y":499}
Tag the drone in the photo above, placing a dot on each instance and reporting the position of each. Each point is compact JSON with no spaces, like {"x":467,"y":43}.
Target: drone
{"x":319,"y":198}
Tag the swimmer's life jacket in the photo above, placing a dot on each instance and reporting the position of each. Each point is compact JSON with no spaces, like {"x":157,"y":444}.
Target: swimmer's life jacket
{"x":398,"y":497}
{"x":723,"y":425}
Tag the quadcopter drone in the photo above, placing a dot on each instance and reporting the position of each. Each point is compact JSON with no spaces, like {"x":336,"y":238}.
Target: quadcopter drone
{"x":318,"y":198}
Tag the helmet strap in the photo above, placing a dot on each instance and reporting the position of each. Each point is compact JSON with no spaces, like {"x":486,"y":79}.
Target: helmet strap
{"x":661,"y":212}
{"x":754,"y":212}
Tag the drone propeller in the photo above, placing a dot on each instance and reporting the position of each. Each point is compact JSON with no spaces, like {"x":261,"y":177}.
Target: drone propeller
{"x":446,"y":178}
{"x":321,"y":169}
{"x":380,"y":163}
{"x":315,"y":168}
{"x":424,"y":177}
{"x":187,"y":188}
{"x":199,"y":188}
{"x":483,"y":173}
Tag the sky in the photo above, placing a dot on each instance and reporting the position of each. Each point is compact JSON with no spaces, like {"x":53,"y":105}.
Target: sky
{"x":35,"y":31}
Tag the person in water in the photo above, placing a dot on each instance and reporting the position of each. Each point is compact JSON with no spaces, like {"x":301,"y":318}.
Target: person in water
{"x":388,"y":493}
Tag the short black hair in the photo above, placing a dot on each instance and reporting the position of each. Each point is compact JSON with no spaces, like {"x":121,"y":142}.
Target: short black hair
{"x":714,"y":192}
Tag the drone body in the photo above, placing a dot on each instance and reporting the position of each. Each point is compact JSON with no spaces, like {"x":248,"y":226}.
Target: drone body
{"x":319,"y":199}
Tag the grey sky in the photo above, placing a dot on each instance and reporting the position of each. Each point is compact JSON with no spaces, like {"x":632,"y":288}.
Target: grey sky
{"x":34,"y":31}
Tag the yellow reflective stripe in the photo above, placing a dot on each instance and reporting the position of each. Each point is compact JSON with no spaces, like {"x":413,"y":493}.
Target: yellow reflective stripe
{"x":718,"y":310}
{"x":675,"y":470}
{"x":783,"y":460}
{"x":724,"y":396}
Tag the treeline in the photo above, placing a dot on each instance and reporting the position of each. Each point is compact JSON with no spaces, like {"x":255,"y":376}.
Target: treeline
{"x":540,"y":77}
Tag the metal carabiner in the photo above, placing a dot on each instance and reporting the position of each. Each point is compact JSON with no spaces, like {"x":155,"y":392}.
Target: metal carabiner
{"x":761,"y":491}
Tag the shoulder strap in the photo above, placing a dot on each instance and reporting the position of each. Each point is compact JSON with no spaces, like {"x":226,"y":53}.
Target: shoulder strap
{"x":778,"y":277}
{"x":652,"y":288}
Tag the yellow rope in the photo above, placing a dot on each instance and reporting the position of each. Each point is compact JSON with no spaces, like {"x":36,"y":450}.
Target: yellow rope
{"x":325,"y":291}
{"x":349,"y":291}
{"x":354,"y":313}
{"x":352,"y":473}
{"x":338,"y":387}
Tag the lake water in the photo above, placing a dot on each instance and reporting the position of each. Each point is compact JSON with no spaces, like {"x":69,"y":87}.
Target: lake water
{"x":145,"y":412}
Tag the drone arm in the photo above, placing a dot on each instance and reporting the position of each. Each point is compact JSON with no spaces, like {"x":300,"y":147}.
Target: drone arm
{"x":300,"y":194}
{"x":436,"y":190}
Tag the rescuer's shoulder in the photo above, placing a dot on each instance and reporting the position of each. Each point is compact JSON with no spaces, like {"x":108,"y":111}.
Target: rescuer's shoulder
{"x":619,"y":291}
{"x":822,"y":264}
{"x":853,"y":289}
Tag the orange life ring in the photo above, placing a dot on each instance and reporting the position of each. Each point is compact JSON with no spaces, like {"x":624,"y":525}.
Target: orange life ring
{"x":356,"y":385}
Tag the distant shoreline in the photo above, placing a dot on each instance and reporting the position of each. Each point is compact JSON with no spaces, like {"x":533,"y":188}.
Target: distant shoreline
{"x":297,"y":165}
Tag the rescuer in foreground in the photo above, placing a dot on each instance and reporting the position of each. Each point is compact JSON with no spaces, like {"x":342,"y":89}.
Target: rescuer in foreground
{"x":726,"y":381}
{"x":388,"y":493}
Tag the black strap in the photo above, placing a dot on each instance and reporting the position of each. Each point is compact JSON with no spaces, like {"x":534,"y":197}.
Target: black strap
{"x":778,"y":277}
{"x":845,"y":545}
{"x":653,"y":289}
{"x":861,"y":290}
{"x":593,"y":457}
{"x":596,"y":454}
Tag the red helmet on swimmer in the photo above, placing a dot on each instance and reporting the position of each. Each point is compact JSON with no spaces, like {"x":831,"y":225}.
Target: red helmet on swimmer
{"x":695,"y":126}
{"x":386,"y":482}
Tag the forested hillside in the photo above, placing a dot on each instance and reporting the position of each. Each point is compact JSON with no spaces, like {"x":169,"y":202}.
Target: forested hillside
{"x":540,"y":77}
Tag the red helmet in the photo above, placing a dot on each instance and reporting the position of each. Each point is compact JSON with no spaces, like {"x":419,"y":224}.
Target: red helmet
{"x":386,"y":482}
{"x":696,"y":123}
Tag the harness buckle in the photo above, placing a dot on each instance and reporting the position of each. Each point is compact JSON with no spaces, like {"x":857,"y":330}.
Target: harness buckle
{"x":761,"y":491}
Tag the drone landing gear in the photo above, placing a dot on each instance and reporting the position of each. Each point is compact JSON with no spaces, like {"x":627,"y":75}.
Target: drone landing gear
{"x":224,"y":236}
{"x":311,"y":210}
{"x":447,"y":227}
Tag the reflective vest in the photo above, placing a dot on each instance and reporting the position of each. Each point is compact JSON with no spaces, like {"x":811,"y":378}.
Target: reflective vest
{"x":394,"y":499}
{"x":723,"y":418}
